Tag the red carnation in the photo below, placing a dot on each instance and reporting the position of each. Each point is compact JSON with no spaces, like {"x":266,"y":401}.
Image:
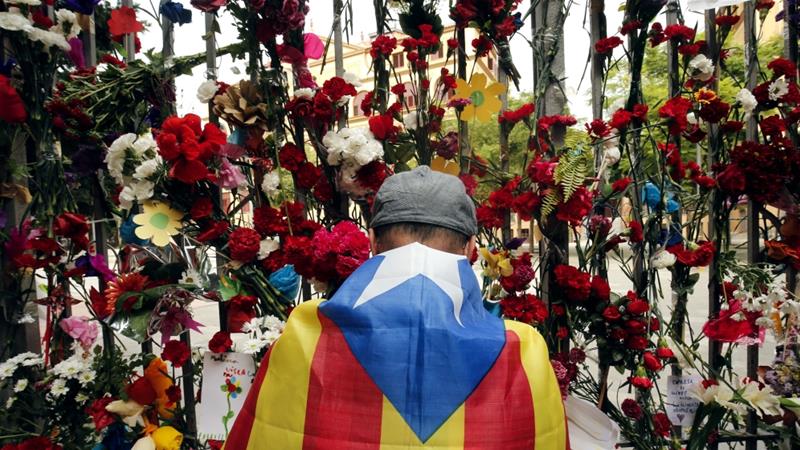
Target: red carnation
{"x":240,"y":310}
{"x":651,"y":362}
{"x":221,"y":342}
{"x":202,"y":208}
{"x":514,"y":116}
{"x":176,"y":352}
{"x":13,"y":110}
{"x":307,"y":175}
{"x":637,"y":234}
{"x":291,"y":157}
{"x":631,"y":408}
{"x":611,"y":313}
{"x":621,"y":184}
{"x":243,"y":244}
{"x":679,"y":32}
{"x":641,"y":382}
{"x":212,"y":230}
{"x":383,"y":45}
{"x":665,"y":353}
{"x":620,"y":119}
{"x":607,"y":45}
{"x":661,"y":424}
{"x":575,"y":284}
{"x":675,"y":109}
{"x":141,"y":391}
{"x":97,"y":411}
{"x":576,"y":208}
{"x":600,"y":291}
{"x":336,"y":88}
{"x":525,"y":308}
{"x":123,"y":21}
{"x":382,"y":127}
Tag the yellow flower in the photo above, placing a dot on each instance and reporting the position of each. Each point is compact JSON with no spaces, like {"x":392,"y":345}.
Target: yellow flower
{"x":158,"y":222}
{"x":484,"y":99}
{"x":497,"y":264}
{"x":447,"y":166}
{"x":167,"y":438}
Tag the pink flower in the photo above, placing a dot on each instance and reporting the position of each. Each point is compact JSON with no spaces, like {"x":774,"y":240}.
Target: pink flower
{"x":80,"y":328}
{"x":230,"y":177}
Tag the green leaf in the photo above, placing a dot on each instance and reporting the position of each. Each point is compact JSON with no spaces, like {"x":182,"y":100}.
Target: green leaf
{"x":134,"y":326}
{"x":229,"y":287}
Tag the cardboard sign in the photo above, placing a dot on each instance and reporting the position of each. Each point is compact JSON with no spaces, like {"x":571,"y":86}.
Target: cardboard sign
{"x":681,"y":406}
{"x":226,"y":379}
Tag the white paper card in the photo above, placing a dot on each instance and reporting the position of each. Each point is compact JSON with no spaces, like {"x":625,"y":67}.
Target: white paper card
{"x":227,"y":378}
{"x":681,"y":406}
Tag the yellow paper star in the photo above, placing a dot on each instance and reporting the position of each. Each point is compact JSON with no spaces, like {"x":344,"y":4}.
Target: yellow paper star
{"x":158,"y":222}
{"x":484,"y":99}
{"x":497,"y":264}
{"x":447,"y":166}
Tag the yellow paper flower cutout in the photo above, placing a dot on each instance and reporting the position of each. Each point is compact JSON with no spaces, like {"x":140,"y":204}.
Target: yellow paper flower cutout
{"x":167,"y":438}
{"x":448,"y":166}
{"x":484,"y":99}
{"x":158,"y":222}
{"x":497,"y":264}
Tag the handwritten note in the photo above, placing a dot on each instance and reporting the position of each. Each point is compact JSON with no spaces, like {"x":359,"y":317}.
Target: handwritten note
{"x":226,"y":379}
{"x":681,"y":406}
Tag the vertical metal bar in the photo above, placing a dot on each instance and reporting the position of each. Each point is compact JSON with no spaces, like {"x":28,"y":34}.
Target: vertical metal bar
{"x":211,"y":60}
{"x":463,"y":128}
{"x":597,"y":25}
{"x":502,"y":78}
{"x":129,"y":40}
{"x":753,"y":243}
{"x":342,"y":200}
{"x":167,"y":51}
{"x":89,"y":39}
{"x":187,"y":374}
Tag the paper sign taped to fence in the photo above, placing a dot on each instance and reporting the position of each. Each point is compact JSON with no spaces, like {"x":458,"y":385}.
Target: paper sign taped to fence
{"x":681,"y":405}
{"x":226,"y":379}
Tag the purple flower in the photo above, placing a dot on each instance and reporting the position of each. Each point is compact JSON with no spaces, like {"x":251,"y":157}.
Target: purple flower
{"x":75,"y":53}
{"x":81,"y":6}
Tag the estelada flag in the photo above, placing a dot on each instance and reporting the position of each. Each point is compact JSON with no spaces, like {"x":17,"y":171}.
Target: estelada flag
{"x":403,"y":356}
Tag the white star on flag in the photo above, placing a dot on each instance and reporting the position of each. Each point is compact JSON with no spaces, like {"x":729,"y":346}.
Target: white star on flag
{"x":404,"y":263}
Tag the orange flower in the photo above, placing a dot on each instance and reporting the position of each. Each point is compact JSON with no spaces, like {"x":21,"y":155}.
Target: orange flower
{"x":156,"y":375}
{"x":127,"y":282}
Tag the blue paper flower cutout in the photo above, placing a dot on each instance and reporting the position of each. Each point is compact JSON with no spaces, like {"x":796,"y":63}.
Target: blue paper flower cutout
{"x":176,"y":13}
{"x":286,"y":281}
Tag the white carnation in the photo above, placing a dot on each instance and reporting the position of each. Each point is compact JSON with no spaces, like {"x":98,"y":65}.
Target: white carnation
{"x":351,"y":78}
{"x":410,"y":121}
{"x":662,"y":259}
{"x":747,"y":100}
{"x":49,"y":38}
{"x":13,"y":21}
{"x":778,"y":88}
{"x":266,"y":247}
{"x":207,"y":90}
{"x":271,"y":183}
{"x":135,"y":191}
{"x":68,"y":23}
{"x":352,"y":148}
{"x":702,"y":67}
{"x":147,"y":168}
{"x":304,"y":93}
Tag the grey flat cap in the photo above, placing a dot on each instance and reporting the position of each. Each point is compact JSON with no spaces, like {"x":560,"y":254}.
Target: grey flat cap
{"x":424,"y":196}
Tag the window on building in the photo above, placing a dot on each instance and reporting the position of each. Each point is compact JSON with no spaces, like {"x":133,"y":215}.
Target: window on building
{"x":409,"y":97}
{"x":440,"y":52}
{"x":490,"y":63}
{"x":398,"y":60}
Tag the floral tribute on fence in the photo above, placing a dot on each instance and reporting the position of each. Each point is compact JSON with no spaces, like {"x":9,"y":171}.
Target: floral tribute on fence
{"x":267,"y":207}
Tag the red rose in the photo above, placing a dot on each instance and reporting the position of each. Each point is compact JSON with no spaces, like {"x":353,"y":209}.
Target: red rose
{"x":176,"y":352}
{"x":661,"y":424}
{"x":243,"y":244}
{"x":13,"y":110}
{"x":611,"y":313}
{"x":141,"y":391}
{"x":651,"y":362}
{"x":202,"y":208}
{"x":97,"y":411}
{"x":631,"y":408}
{"x":220,"y":343}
